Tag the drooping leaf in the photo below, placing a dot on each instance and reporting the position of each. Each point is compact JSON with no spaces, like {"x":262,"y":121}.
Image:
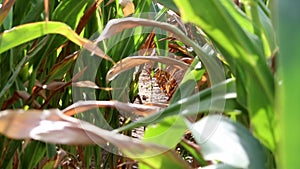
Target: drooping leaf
{"x":82,"y":106}
{"x":133,"y":61}
{"x":212,"y":64}
{"x":27,"y":32}
{"x":55,"y":127}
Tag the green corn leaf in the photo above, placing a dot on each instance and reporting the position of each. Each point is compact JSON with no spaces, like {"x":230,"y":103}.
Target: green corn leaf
{"x":27,"y":32}
{"x":12,"y":147}
{"x":32,"y":154}
{"x":169,"y":4}
{"x":167,"y":133}
{"x":224,"y":140}
{"x":234,"y":36}
{"x":287,"y":83}
{"x":70,"y":11}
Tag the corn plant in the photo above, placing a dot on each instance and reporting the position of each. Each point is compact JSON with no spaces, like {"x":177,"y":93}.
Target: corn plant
{"x":69,"y":75}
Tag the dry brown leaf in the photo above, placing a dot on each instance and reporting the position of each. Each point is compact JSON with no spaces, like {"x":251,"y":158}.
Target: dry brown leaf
{"x":130,"y":62}
{"x":90,"y":84}
{"x":5,"y":8}
{"x":86,"y":83}
{"x":138,"y":109}
{"x":55,"y":127}
{"x":47,"y":125}
{"x":115,"y":26}
{"x":128,"y":7}
{"x":87,"y":16}
{"x":94,"y":49}
{"x":46,"y":6}
{"x":161,"y":105}
{"x":25,"y":96}
{"x":54,"y":85}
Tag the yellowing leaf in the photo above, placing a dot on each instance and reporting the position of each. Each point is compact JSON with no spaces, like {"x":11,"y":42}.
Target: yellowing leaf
{"x":27,"y":32}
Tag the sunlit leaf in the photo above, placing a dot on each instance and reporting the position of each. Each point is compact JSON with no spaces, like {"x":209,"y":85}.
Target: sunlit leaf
{"x":169,"y":4}
{"x":224,"y":140}
{"x":24,"y":33}
{"x":70,"y":11}
{"x":225,"y":24}
{"x":167,"y":133}
{"x":260,"y":16}
{"x":54,"y":127}
{"x":287,"y":83}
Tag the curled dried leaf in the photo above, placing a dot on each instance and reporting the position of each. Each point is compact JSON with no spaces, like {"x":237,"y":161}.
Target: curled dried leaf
{"x":90,"y":84}
{"x":138,"y":109}
{"x":55,"y":127}
{"x":131,"y":62}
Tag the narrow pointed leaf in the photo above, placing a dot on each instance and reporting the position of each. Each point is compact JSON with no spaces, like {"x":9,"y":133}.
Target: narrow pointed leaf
{"x":27,"y":32}
{"x":82,"y":106}
{"x":5,"y":8}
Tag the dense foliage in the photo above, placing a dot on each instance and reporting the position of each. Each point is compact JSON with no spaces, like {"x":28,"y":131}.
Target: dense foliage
{"x":70,"y":77}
